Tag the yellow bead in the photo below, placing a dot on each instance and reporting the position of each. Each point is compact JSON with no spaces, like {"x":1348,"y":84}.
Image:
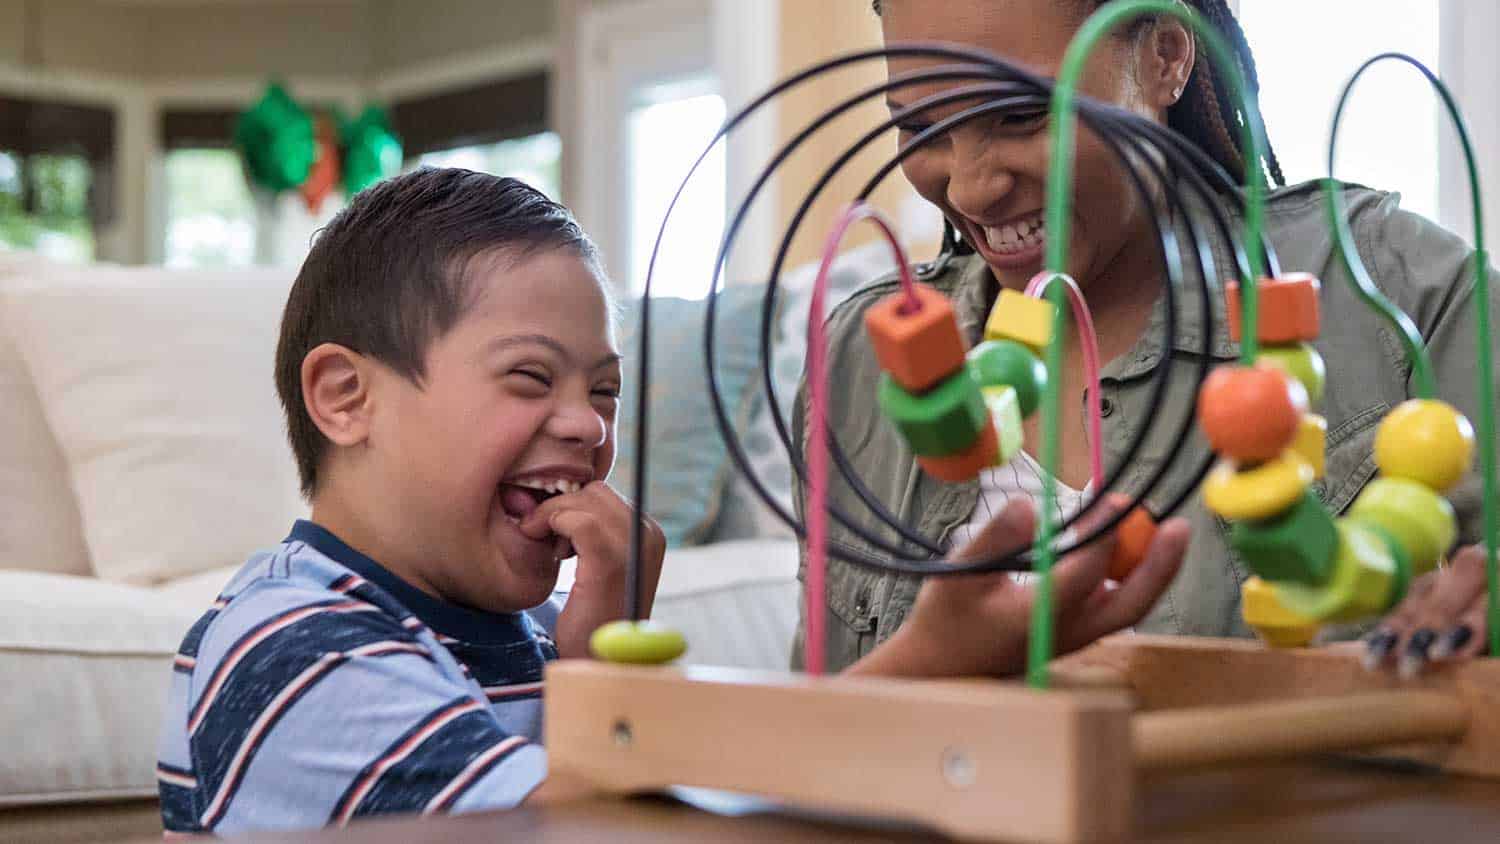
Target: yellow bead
{"x":1420,"y":520}
{"x":1364,"y":575}
{"x":1005,"y":414}
{"x":1312,"y":442}
{"x":640,"y":643}
{"x":1426,"y":441}
{"x":1024,"y":319}
{"x":1279,"y":627}
{"x":1259,"y":492}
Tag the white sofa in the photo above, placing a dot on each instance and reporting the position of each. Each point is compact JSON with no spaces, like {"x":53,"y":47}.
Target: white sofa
{"x":141,"y":460}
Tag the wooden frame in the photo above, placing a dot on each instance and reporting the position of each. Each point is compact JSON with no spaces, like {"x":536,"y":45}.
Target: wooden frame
{"x":986,"y":760}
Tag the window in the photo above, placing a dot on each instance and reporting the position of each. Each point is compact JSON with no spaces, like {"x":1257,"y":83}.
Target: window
{"x":666,"y":132}
{"x":1389,"y":136}
{"x":45,"y":205}
{"x":210,"y":215}
{"x":535,"y":160}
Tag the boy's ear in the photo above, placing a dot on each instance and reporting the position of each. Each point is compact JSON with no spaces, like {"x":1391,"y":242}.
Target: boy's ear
{"x":336,"y":393}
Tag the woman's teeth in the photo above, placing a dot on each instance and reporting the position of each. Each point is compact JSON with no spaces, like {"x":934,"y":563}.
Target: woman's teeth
{"x":1016,"y":237}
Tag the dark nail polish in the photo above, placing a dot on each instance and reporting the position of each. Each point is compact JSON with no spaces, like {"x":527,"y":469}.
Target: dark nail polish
{"x":1456,"y":637}
{"x":1416,"y":653}
{"x":1378,"y":645}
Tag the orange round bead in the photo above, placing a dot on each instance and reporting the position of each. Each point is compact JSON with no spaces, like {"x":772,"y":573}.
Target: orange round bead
{"x":1132,"y":539}
{"x":1250,"y":414}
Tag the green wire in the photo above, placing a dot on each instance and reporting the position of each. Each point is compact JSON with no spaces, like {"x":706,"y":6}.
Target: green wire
{"x":1421,"y":367}
{"x":1059,"y":204}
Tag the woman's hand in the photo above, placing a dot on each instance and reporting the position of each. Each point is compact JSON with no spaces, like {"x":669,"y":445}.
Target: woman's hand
{"x":1441,"y":619}
{"x":977,"y":624}
{"x":596,"y":521}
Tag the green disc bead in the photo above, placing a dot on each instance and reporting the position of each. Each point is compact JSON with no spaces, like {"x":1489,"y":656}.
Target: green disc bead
{"x":1400,"y":558}
{"x":997,"y":363}
{"x":1297,"y":545}
{"x":1363,"y":580}
{"x":1303,"y":363}
{"x":942,"y":421}
{"x":1418,"y":518}
{"x":637,"y":643}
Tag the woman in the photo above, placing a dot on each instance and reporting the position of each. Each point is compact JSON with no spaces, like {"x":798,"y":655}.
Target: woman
{"x":988,"y":177}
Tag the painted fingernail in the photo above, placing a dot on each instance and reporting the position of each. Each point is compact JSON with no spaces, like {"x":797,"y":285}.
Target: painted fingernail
{"x":1378,"y":644}
{"x":1456,"y":637}
{"x":1416,"y":655}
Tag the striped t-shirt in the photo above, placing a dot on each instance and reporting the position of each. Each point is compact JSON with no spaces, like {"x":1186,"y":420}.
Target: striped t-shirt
{"x":320,"y":688}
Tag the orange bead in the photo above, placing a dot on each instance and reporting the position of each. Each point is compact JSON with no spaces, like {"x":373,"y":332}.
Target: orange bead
{"x":1250,"y":414}
{"x":1286,"y":309}
{"x":966,"y":465}
{"x":918,"y":348}
{"x":1132,"y":538}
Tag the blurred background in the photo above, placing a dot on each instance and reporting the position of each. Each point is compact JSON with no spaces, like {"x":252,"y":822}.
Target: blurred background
{"x":117,"y":117}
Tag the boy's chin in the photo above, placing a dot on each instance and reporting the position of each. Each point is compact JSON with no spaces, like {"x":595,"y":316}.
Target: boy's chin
{"x":528,"y":568}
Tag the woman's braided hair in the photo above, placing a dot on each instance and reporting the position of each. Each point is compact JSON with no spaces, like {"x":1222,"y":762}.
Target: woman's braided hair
{"x":1208,"y":114}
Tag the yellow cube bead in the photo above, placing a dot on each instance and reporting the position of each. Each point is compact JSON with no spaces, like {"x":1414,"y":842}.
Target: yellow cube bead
{"x":1421,"y":521}
{"x":1364,"y":576}
{"x":1277,"y":626}
{"x":1024,"y":319}
{"x":1259,"y":492}
{"x":1005,"y":414}
{"x":1426,"y":441}
{"x":1312,"y":442}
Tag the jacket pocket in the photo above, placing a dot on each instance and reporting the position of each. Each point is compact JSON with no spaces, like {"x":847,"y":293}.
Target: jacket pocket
{"x":1350,"y":458}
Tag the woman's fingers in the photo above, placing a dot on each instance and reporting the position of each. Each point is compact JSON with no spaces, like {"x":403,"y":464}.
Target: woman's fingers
{"x":1443,"y":618}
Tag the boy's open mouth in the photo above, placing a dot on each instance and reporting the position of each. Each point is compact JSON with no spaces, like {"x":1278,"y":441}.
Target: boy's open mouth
{"x":520,"y":498}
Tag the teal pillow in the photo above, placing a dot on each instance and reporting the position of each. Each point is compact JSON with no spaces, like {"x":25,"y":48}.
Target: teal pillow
{"x":689,"y":466}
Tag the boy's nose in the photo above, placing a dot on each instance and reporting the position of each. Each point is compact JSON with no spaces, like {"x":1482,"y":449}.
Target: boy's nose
{"x":581,"y":426}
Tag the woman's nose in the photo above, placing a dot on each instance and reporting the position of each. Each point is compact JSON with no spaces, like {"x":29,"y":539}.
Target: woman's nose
{"x":981,"y":178}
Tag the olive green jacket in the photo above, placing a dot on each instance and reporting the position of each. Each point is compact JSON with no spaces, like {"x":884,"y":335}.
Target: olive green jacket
{"x":1423,"y":268}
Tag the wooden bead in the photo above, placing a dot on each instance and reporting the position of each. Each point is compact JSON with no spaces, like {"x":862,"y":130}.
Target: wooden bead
{"x":1287,"y":309}
{"x":1024,"y":319}
{"x":1362,"y":582}
{"x":1005,"y":415}
{"x":1000,"y":363}
{"x":1259,"y":492}
{"x":1133,"y":537}
{"x":637,"y":642}
{"x":1420,"y":520}
{"x":942,"y":421}
{"x":1277,"y":626}
{"x":1250,"y":414}
{"x":967,"y":465}
{"x":1301,"y":362}
{"x":920,"y":348}
{"x":1426,"y":441}
{"x":1299,"y":544}
{"x":1311,"y":443}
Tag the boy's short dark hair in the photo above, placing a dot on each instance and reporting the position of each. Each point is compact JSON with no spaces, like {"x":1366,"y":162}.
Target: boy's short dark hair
{"x":390,"y":274}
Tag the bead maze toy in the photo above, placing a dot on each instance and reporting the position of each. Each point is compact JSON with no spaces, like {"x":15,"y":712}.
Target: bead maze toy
{"x":1056,"y":759}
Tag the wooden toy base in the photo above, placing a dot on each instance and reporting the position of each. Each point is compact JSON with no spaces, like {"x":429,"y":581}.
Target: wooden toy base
{"x":998,"y":761}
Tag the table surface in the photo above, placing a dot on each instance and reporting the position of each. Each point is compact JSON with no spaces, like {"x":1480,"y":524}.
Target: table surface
{"x":1284,"y":803}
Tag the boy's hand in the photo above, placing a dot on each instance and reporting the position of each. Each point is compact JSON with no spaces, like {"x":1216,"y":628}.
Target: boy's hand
{"x":1441,"y":619}
{"x":978,"y":624}
{"x":596,"y":522}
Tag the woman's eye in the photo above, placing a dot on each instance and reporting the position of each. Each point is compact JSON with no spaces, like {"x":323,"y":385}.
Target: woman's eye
{"x":913,"y":128}
{"x":1023,"y":118}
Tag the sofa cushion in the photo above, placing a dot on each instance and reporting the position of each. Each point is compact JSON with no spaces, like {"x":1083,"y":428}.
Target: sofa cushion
{"x":158,"y":386}
{"x":87,"y":664}
{"x":39,"y":524}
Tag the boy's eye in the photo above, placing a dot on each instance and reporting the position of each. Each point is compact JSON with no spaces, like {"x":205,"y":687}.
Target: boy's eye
{"x":533,"y":375}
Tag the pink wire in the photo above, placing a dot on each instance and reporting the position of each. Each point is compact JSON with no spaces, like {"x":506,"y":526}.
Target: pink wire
{"x":817,"y":425}
{"x":1090,"y":342}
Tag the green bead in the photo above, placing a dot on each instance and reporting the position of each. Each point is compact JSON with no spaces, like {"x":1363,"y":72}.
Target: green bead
{"x":1418,"y":518}
{"x":940,"y":422}
{"x":639,"y":643}
{"x":1005,"y":414}
{"x":1297,"y":545}
{"x":1363,"y":581}
{"x":1303,"y":363}
{"x":997,"y":363}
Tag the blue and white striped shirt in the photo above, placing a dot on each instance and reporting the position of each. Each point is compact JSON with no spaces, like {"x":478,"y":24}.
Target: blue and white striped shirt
{"x":320,"y":688}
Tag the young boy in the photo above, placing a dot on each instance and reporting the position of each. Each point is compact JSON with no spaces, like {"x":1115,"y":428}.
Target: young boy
{"x":450,"y":383}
